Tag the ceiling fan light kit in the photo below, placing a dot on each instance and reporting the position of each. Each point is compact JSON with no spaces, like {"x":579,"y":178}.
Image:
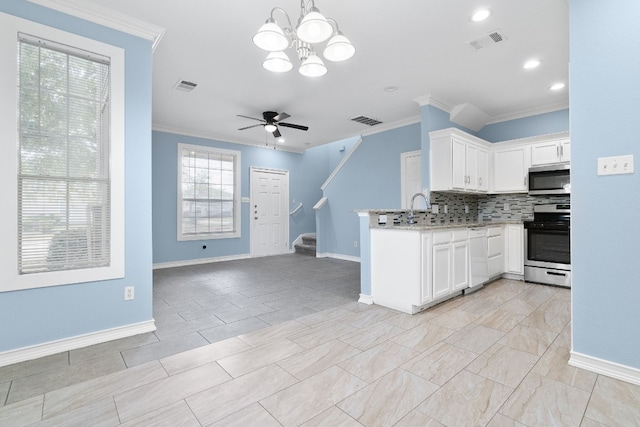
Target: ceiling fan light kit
{"x":313,"y":27}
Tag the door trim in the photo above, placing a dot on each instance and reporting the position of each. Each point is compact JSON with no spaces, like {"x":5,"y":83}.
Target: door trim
{"x":252,"y":237}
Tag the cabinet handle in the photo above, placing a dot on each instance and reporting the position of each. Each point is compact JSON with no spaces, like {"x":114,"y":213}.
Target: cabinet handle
{"x":561,"y":152}
{"x":480,"y":181}
{"x":558,"y":151}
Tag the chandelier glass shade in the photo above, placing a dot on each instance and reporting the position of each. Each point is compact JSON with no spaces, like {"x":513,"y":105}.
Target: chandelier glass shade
{"x":277,"y":62}
{"x":312,"y":28}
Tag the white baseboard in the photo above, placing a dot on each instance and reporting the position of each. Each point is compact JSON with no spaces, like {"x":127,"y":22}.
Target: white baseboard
{"x":338,"y":256}
{"x":366,"y":299}
{"x":198,"y":261}
{"x":53,"y":347}
{"x":605,"y":367}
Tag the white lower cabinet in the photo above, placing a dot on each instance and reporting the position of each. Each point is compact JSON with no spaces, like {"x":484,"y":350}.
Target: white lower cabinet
{"x":409,"y":269}
{"x":442,"y":261}
{"x":514,"y":249}
{"x":495,"y":251}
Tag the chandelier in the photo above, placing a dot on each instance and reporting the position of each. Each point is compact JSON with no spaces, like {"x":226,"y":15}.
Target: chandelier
{"x":312,"y":28}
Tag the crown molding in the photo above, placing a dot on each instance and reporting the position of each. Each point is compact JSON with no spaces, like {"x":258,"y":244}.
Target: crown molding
{"x":225,"y":139}
{"x":429,"y":99}
{"x":106,"y":17}
{"x":527,"y":113}
{"x":389,"y":126}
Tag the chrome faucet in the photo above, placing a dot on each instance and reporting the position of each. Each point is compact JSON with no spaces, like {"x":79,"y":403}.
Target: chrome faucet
{"x":410,"y":216}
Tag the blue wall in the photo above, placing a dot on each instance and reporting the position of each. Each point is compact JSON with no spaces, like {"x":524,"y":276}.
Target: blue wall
{"x":306,"y":174}
{"x":369,"y":180}
{"x":605,"y":106}
{"x":541,"y":124}
{"x":38,"y":316}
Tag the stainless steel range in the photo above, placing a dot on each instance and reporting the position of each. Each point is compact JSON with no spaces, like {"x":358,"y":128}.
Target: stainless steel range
{"x":547,"y":247}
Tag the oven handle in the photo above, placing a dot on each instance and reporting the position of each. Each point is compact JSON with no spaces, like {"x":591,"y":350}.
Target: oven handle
{"x":553,"y":273}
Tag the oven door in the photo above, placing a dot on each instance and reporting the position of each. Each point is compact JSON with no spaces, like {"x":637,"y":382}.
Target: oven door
{"x":547,"y":245}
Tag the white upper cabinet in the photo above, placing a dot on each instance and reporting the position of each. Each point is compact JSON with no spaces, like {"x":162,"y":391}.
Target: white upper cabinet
{"x":510,"y":169}
{"x":459,"y":162}
{"x":544,"y":153}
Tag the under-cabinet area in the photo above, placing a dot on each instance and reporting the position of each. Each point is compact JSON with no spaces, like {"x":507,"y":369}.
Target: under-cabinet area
{"x":415,"y":267}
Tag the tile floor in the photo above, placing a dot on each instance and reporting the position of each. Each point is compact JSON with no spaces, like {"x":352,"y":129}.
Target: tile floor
{"x":309,"y":355}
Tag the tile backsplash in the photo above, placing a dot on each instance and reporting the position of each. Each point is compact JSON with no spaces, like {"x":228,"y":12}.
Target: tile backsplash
{"x":519,"y":207}
{"x":486,"y":207}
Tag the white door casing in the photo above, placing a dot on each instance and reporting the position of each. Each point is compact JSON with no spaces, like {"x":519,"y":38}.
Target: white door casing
{"x":269,"y":213}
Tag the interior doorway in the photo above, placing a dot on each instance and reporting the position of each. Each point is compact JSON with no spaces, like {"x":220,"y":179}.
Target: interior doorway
{"x":411,"y":178}
{"x":269,"y":213}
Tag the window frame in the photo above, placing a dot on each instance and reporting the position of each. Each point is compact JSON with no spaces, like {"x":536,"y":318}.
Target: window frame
{"x":10,"y":279}
{"x":237,"y":215}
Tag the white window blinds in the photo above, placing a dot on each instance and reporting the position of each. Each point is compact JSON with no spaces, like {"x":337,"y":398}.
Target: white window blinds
{"x":63,"y":170}
{"x":209,"y":192}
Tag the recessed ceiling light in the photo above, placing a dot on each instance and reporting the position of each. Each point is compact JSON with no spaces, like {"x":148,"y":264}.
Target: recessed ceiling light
{"x":390,"y":88}
{"x":480,"y":15}
{"x":557,"y":86}
{"x":281,"y":140}
{"x":532,"y":63}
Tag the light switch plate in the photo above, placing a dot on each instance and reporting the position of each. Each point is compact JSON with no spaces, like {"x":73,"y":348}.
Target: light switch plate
{"x":616,"y":165}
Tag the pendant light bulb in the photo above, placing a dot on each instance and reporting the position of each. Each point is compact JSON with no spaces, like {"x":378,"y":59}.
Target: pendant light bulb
{"x":339,"y":49}
{"x":312,"y":66}
{"x":270,"y":37}
{"x":277,"y":62}
{"x":314,"y":27}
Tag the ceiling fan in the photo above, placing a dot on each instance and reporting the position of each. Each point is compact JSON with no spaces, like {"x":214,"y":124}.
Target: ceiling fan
{"x":271,"y":120}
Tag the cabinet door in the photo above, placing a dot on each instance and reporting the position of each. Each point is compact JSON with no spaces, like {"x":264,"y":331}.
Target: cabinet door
{"x":483,"y":170}
{"x":471,"y":158}
{"x":458,"y":154}
{"x":426,"y":290}
{"x":442,"y":281}
{"x":565,"y":150}
{"x":460,"y":268}
{"x":495,"y":252}
{"x":545,"y":153}
{"x":514,"y":261}
{"x":510,"y":170}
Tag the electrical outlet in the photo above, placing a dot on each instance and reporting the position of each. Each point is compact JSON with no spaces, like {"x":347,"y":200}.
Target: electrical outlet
{"x":355,"y":243}
{"x":446,"y":209}
{"x":435,"y":209}
{"x":129,"y":293}
{"x":466,"y":208}
{"x":506,"y":207}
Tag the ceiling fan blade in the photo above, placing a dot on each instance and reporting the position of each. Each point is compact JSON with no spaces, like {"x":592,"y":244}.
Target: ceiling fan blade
{"x":276,"y":133}
{"x":281,"y":116}
{"x":248,"y":117}
{"x":291,"y":125}
{"x":249,"y":127}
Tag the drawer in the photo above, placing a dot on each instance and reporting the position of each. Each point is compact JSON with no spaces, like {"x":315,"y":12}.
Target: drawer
{"x":461,"y":235}
{"x":494,"y":231}
{"x":441,"y":237}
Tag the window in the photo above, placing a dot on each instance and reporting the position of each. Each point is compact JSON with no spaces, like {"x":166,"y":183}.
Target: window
{"x":208,"y":193}
{"x":62,"y":157}
{"x":63,"y":168}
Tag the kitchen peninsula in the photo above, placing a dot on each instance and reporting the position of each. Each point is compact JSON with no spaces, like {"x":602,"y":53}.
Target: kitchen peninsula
{"x":415,"y":266}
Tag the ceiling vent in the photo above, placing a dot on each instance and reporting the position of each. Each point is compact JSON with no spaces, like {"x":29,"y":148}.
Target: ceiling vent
{"x":488,"y":40}
{"x":185,"y":86}
{"x":366,"y":120}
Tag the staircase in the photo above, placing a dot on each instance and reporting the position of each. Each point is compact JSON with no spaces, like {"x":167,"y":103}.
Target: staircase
{"x":308,"y":245}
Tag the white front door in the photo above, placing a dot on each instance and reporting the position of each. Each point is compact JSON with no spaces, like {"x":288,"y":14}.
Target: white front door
{"x":269,"y":213}
{"x":411,"y":179}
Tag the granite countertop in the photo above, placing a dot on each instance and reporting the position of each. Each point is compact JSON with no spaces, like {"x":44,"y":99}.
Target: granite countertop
{"x":425,"y":227}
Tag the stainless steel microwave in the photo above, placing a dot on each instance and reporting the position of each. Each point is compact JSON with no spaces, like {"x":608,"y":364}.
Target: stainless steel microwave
{"x":550,"y":179}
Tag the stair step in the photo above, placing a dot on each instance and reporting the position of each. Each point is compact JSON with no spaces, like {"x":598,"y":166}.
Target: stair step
{"x":309,"y":240}
{"x":306,"y":249}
